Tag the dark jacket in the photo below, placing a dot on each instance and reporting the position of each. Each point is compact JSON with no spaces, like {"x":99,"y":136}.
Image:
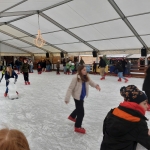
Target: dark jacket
{"x":17,"y":63}
{"x":25,"y":67}
{"x":7,"y":75}
{"x":102,"y":63}
{"x":123,"y":128}
{"x":94,"y":65}
{"x":119,"y":67}
{"x":58,"y":65}
{"x":146,"y":84}
{"x":123,"y":63}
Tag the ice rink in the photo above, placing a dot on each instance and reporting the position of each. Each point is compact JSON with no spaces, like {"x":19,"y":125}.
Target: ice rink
{"x":40,"y":111}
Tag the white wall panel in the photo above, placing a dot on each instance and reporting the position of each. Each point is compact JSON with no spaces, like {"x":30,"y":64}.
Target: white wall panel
{"x":17,"y":43}
{"x":81,"y":12}
{"x":4,"y":4}
{"x":51,"y":49}
{"x":59,"y":37}
{"x":12,"y":31}
{"x":103,"y":45}
{"x":8,"y":49}
{"x":30,"y":25}
{"x":34,"y":50}
{"x":5,"y":19}
{"x":34,"y":5}
{"x":141,"y":23}
{"x":105,"y":30}
{"x":131,"y":7}
{"x":4,"y":37}
{"x":146,"y":40}
{"x":77,"y":47}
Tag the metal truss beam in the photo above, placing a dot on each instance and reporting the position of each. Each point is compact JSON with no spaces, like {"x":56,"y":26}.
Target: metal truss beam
{"x":67,"y":31}
{"x":16,"y":47}
{"x":13,"y":6}
{"x":33,"y":36}
{"x":124,"y":18}
{"x":22,"y":40}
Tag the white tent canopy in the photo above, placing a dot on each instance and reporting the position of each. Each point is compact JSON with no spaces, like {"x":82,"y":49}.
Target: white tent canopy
{"x":75,"y":25}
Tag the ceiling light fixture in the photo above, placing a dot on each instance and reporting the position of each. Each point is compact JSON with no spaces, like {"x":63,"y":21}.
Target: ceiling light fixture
{"x":39,"y":41}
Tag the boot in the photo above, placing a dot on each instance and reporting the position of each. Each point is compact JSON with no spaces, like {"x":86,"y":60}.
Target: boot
{"x":17,"y":92}
{"x":80,"y":130}
{"x":126,"y":80}
{"x":28,"y":82}
{"x":119,"y":79}
{"x":72,"y":119}
{"x":5,"y":94}
{"x":25,"y":83}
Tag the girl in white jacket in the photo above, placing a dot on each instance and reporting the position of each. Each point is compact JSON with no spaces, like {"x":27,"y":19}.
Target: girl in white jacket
{"x":79,"y":88}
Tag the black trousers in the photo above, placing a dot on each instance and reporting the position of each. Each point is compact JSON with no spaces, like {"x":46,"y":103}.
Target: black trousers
{"x":148,"y":95}
{"x":57,"y":70}
{"x":94,"y":70}
{"x":26,"y":76}
{"x":2,"y":77}
{"x":78,"y":113}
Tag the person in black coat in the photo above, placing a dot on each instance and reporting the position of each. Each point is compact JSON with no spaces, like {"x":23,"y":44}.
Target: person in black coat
{"x":146,"y":85}
{"x":119,"y":67}
{"x":126,"y":125}
{"x":94,"y":67}
{"x":123,"y":65}
{"x":102,"y":65}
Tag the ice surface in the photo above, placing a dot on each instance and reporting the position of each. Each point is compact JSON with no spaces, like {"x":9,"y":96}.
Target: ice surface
{"x":40,"y":111}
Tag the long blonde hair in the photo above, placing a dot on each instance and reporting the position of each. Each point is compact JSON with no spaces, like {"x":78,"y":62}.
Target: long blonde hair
{"x":10,"y":71}
{"x":13,"y":140}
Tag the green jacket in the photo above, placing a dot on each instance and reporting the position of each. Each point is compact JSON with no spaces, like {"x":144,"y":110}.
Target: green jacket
{"x":4,"y":70}
{"x":72,"y":67}
{"x":25,"y":67}
{"x":68,"y":66}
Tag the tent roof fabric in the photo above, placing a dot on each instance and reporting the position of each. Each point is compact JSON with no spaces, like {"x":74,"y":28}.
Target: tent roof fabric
{"x":75,"y":25}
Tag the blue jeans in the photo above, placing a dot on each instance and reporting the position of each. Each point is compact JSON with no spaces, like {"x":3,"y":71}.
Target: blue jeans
{"x":65,"y":69}
{"x":120,"y":75}
{"x":18,"y":68}
{"x":47,"y":67}
{"x":7,"y":83}
{"x":31,"y":68}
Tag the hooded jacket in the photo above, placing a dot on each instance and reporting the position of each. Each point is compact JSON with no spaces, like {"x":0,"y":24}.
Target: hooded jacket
{"x":124,"y":127}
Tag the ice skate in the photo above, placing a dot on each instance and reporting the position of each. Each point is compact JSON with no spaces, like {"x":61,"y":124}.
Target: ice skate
{"x":5,"y":94}
{"x":119,"y":80}
{"x":126,"y":80}
{"x":28,"y":83}
{"x":72,"y":119}
{"x":25,"y":83}
{"x":80,"y":130}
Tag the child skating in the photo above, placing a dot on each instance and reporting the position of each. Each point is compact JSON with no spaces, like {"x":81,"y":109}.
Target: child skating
{"x":10,"y":73}
{"x":79,"y":88}
{"x":25,"y":70}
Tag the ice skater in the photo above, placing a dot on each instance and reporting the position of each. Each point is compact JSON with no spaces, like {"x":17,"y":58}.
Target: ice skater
{"x":102,"y":65}
{"x":58,"y":67}
{"x":146,"y":86}
{"x":3,"y":73}
{"x":126,"y":126}
{"x":25,"y":70}
{"x":10,"y":73}
{"x":79,"y":88}
{"x":120,"y":72}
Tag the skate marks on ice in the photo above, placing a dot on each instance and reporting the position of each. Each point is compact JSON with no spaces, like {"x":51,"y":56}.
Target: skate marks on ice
{"x":40,"y":111}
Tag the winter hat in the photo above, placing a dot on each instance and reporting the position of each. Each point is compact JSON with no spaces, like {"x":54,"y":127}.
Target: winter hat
{"x":132,"y":94}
